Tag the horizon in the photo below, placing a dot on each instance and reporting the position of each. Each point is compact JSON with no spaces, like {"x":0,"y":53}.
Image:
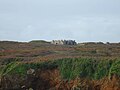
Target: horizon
{"x":83,"y":21}
{"x":55,"y":39}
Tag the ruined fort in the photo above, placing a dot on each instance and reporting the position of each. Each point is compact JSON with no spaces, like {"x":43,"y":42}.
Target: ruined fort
{"x":63,"y":42}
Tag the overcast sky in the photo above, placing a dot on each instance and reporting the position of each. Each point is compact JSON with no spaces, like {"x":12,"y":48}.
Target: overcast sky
{"x":82,"y":20}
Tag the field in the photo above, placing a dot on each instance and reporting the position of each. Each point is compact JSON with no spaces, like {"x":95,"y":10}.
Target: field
{"x":39,"y":65}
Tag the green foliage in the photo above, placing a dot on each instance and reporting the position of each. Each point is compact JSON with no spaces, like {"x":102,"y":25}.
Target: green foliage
{"x":65,"y":67}
{"x":21,"y":68}
{"x":8,"y":68}
{"x":1,"y":70}
{"x":87,"y":68}
{"x":72,"y":68}
{"x":69,"y":68}
{"x":115,"y":68}
{"x":102,"y":69}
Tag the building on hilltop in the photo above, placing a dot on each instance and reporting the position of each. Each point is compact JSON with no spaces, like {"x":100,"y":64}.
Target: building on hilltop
{"x":63,"y":42}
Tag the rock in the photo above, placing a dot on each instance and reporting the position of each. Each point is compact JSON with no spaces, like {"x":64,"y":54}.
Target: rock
{"x":30,"y":71}
{"x":30,"y":89}
{"x":23,"y":86}
{"x":63,"y":42}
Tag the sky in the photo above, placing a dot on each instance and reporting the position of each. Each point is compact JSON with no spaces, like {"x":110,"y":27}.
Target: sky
{"x":80,"y":20}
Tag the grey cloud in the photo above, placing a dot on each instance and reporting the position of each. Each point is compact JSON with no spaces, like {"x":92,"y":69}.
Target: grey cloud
{"x":83,"y":20}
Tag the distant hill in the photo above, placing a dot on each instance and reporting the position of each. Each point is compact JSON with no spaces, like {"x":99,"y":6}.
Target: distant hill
{"x":39,"y":41}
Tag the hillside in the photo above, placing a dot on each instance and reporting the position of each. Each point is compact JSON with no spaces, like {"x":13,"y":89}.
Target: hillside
{"x":39,"y":65}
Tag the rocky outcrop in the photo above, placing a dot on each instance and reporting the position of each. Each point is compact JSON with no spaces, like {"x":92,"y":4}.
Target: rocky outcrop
{"x":63,"y":42}
{"x":30,"y":71}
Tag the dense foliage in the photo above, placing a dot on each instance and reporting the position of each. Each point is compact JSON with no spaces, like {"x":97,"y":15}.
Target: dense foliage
{"x":69,"y":68}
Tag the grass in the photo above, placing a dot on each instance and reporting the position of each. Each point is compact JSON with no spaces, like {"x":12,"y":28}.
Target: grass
{"x":88,"y":68}
{"x":8,"y":68}
{"x":69,"y":68}
{"x":21,"y":68}
{"x":115,"y":68}
{"x":103,"y":68}
{"x":72,"y":68}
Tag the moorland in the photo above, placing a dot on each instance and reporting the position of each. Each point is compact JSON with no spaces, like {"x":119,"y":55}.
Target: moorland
{"x":40,"y":65}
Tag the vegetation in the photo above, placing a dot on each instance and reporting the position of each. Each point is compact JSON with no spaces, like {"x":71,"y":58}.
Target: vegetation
{"x":115,"y":68}
{"x":69,"y":68}
{"x":102,"y":68}
{"x":21,"y":68}
{"x":39,"y":41}
{"x":84,"y":68}
{"x":8,"y":68}
{"x":85,"y":61}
